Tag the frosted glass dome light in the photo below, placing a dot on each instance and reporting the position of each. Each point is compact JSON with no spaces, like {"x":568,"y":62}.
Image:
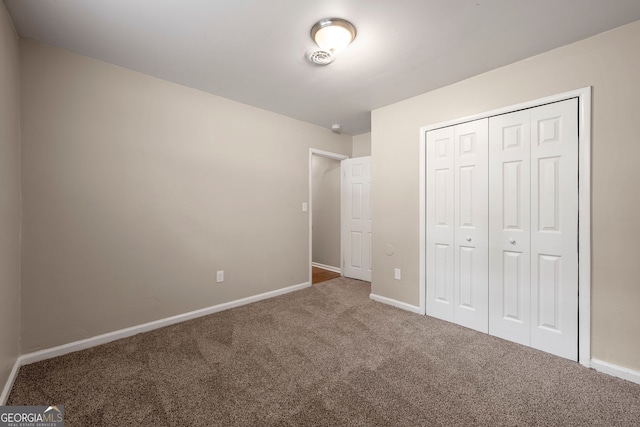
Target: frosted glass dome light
{"x":333,"y":34}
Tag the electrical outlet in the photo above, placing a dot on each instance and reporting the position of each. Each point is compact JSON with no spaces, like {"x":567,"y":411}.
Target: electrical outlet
{"x":220,"y":276}
{"x":397,"y":274}
{"x":305,"y":206}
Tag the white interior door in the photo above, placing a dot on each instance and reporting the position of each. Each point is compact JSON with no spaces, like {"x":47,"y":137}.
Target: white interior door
{"x":356,"y":218}
{"x":533,"y":261}
{"x":440,"y":227}
{"x":554,"y":233}
{"x":471,"y":220}
{"x":510,"y":226}
{"x":457,"y":224}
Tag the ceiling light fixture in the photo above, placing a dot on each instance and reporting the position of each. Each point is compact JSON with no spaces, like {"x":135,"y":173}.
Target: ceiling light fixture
{"x":331,"y":35}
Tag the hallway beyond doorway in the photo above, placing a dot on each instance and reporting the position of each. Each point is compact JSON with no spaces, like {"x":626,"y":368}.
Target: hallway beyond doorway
{"x":322,"y":275}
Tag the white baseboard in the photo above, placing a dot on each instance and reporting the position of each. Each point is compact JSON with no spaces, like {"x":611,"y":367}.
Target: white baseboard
{"x":395,"y":303}
{"x":49,"y":353}
{"x":616,"y":370}
{"x":9,"y":384}
{"x":327,"y":267}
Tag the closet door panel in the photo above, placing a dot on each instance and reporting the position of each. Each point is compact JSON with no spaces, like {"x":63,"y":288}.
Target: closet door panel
{"x":509,"y":226}
{"x":471,"y":212}
{"x":554,"y":236}
{"x":440,"y":153}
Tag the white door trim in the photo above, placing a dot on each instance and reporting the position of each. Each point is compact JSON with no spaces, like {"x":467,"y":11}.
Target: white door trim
{"x":330,"y":155}
{"x":584,"y":205}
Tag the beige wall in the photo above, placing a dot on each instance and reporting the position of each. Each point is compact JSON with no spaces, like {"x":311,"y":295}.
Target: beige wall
{"x":361,"y":145}
{"x":137,"y":190}
{"x":611,"y":64}
{"x":326,"y":211}
{"x":9,"y":197}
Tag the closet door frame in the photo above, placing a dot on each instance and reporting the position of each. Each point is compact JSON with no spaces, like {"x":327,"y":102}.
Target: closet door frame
{"x":584,"y":205}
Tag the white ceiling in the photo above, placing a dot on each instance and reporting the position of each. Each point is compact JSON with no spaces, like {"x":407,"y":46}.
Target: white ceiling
{"x":252,"y":51}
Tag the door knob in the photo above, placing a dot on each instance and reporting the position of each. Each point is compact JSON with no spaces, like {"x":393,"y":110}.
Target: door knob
{"x":512,"y":241}
{"x":468,"y":238}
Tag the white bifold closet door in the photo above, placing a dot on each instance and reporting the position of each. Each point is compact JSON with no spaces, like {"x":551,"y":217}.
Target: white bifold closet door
{"x":457,"y":224}
{"x":533,"y":237}
{"x":502,"y":226}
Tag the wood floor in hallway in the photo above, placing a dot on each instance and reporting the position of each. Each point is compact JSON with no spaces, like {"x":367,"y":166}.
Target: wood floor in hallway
{"x":322,"y":275}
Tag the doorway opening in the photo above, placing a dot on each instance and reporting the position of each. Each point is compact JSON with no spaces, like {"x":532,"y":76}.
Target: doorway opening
{"x":325,"y":253}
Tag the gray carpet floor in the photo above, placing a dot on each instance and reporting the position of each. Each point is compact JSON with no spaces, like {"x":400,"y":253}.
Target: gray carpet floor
{"x":323,"y":356}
